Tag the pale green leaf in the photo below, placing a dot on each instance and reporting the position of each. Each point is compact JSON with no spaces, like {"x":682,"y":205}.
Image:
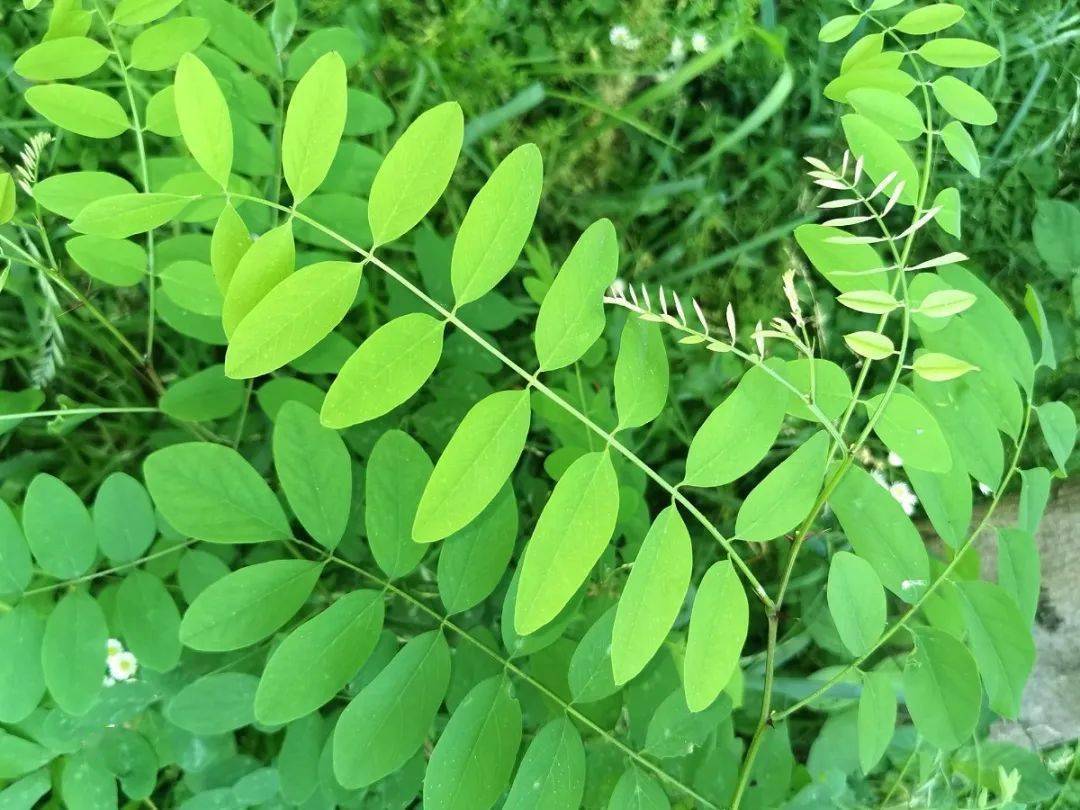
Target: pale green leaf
{"x":148,"y":621}
{"x":204,"y":118}
{"x":873,"y":302}
{"x":118,"y":262}
{"x":65,"y":58}
{"x":838,"y":27}
{"x":848,"y":267}
{"x":881,"y":73}
{"x":718,"y":626}
{"x":891,"y":111}
{"x":398,"y":469}
{"x":73,"y":652}
{"x":590,"y":675}
{"x":641,"y":374}
{"x":473,"y":560}
{"x":551,"y":775}
{"x":58,"y":528}
{"x":856,"y":602}
{"x":124,"y":215}
{"x":957,"y":53}
{"x":824,"y":383}
{"x":124,"y":520}
{"x":267,"y":263}
{"x":81,"y":110}
{"x":228,"y":244}
{"x":959,"y":144}
{"x":941,"y":689}
{"x":140,"y":12}
{"x":910,"y":430}
{"x":313,"y":126}
{"x":876,"y":718}
{"x":948,"y":200}
{"x":22,"y":680}
{"x":238,"y":35}
{"x":204,"y":396}
{"x":636,"y":790}
{"x":786,"y":495}
{"x":930,"y":19}
{"x":872,"y":345}
{"x":962,"y":101}
{"x":882,"y":155}
{"x":938,"y":367}
{"x":190,"y":284}
{"x":1058,"y":423}
{"x":161,"y":46}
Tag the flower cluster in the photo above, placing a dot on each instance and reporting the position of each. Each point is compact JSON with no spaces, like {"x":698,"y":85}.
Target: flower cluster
{"x":120,"y":663}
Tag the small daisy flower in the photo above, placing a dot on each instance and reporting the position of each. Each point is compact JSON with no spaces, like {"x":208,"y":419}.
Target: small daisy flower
{"x":123,"y":666}
{"x":678,"y":50}
{"x":904,"y":496}
{"x":113,"y":647}
{"x":895,"y":460}
{"x":699,"y":42}
{"x":621,"y":37}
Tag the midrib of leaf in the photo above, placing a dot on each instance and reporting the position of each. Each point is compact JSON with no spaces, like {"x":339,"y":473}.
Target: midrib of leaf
{"x":225,"y":497}
{"x":509,"y":666}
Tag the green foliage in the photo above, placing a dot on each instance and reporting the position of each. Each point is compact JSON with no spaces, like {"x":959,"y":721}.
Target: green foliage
{"x":414,"y":494}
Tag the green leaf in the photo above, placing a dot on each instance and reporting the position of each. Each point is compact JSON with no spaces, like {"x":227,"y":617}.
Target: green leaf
{"x":7,"y":199}
{"x":19,"y":756}
{"x":292,"y":318}
{"x":473,"y":560}
{"x":881,"y":533}
{"x":124,"y":215}
{"x":248,"y":605}
{"x":148,"y":621}
{"x":1034,"y":495}
{"x":872,"y":345}
{"x":944,"y":303}
{"x":941,"y":689}
{"x":58,"y":528}
{"x":957,"y":53}
{"x":114,"y":261}
{"x":881,"y":155}
{"x":397,"y":471}
{"x":739,"y":431}
{"x":838,"y":27}
{"x":635,"y":790}
{"x":315,"y":472}
{"x":882,"y":73}
{"x":876,"y":718}
{"x":209,"y":492}
{"x":571,"y":316}
{"x":190,"y":284}
{"x":1034,"y":306}
{"x":856,"y":602}
{"x":214,"y":704}
{"x":938,"y":367}
{"x":161,"y":46}
{"x":313,"y":126}
{"x":66,"y":58}
{"x":590,"y":675}
{"x":959,"y":144}
{"x":1018,"y":570}
{"x":891,"y":111}
{"x":388,"y":721}
{"x":930,"y":19}
{"x":268,"y":262}
{"x":908,"y":429}
{"x":1055,"y":223}
{"x":474,"y":466}
{"x":298,"y":759}
{"x":848,"y":267}
{"x":22,"y":680}
{"x":497,"y":224}
{"x":653,"y":595}
{"x":962,"y":101}
{"x":73,"y":651}
{"x":318,"y":658}
{"x":204,"y":396}
{"x":385,"y":371}
{"x":786,"y":495}
{"x":124,"y":520}
{"x":230,"y":241}
{"x":551,"y":775}
{"x":81,"y":110}
{"x":1000,"y":639}
{"x":874,"y":302}
{"x":16,"y":567}
{"x":824,"y":383}
{"x":1058,"y":423}
{"x":415,"y":172}
{"x":675,"y":731}
{"x":572,"y":532}
{"x":946,"y":499}
{"x":471,"y":764}
{"x":238,"y":35}
{"x":641,"y":374}
{"x":204,"y":118}
{"x":140,"y":12}
{"x":718,"y":626}
{"x":948,"y":200}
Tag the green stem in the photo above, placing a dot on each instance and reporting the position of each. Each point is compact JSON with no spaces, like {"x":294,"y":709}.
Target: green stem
{"x":8,"y":417}
{"x":98,"y":574}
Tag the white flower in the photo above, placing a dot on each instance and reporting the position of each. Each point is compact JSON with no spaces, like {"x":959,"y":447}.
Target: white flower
{"x":904,"y":496}
{"x":678,"y":50}
{"x":113,"y":647}
{"x":895,"y":460}
{"x":699,"y":42}
{"x":984,"y":489}
{"x":621,"y":37}
{"x":122,"y":666}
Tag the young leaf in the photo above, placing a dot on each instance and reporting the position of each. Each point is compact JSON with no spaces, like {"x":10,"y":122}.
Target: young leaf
{"x":941,"y":688}
{"x":551,"y":775}
{"x":66,"y":58}
{"x":161,"y":46}
{"x":140,"y":12}
{"x":398,"y":470}
{"x":718,"y":626}
{"x":203,"y":397}
{"x":1058,"y":423}
{"x":81,"y":110}
{"x":571,"y":534}
{"x":872,"y":345}
{"x":388,"y":721}
{"x":824,"y":383}
{"x":945,"y":303}
{"x":876,"y":719}
{"x":117,"y":262}
{"x":891,"y":111}
{"x":957,"y":53}
{"x":230,"y":241}
{"x":497,"y":224}
{"x":641,"y":374}
{"x":882,"y":155}
{"x":415,"y":172}
{"x":571,"y":316}
{"x":938,"y":367}
{"x":209,"y":492}
{"x":1001,"y":642}
{"x":930,"y":19}
{"x":874,"y":302}
{"x":908,"y":429}
{"x":786,"y":495}
{"x":959,"y":144}
{"x":267,"y":263}
{"x":385,"y":371}
{"x":318,"y":658}
{"x":148,"y":621}
{"x":22,"y":680}
{"x":58,"y":528}
{"x":248,"y":605}
{"x":315,"y":472}
{"x":838,"y":27}
{"x":124,"y":215}
{"x":313,"y":125}
{"x":73,"y":652}
{"x":238,"y":35}
{"x":473,"y":560}
{"x":653,"y":595}
{"x":848,"y":267}
{"x":476,"y":753}
{"x":476,"y":463}
{"x":291,"y":318}
{"x":856,"y":602}
{"x":590,"y":675}
{"x":948,"y":217}
{"x":739,"y":431}
{"x":204,"y":118}
{"x":881,"y":533}
{"x":962,"y":101}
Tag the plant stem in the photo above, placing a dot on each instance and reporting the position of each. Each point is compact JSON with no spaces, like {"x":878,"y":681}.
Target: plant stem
{"x":8,"y":417}
{"x":98,"y":574}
